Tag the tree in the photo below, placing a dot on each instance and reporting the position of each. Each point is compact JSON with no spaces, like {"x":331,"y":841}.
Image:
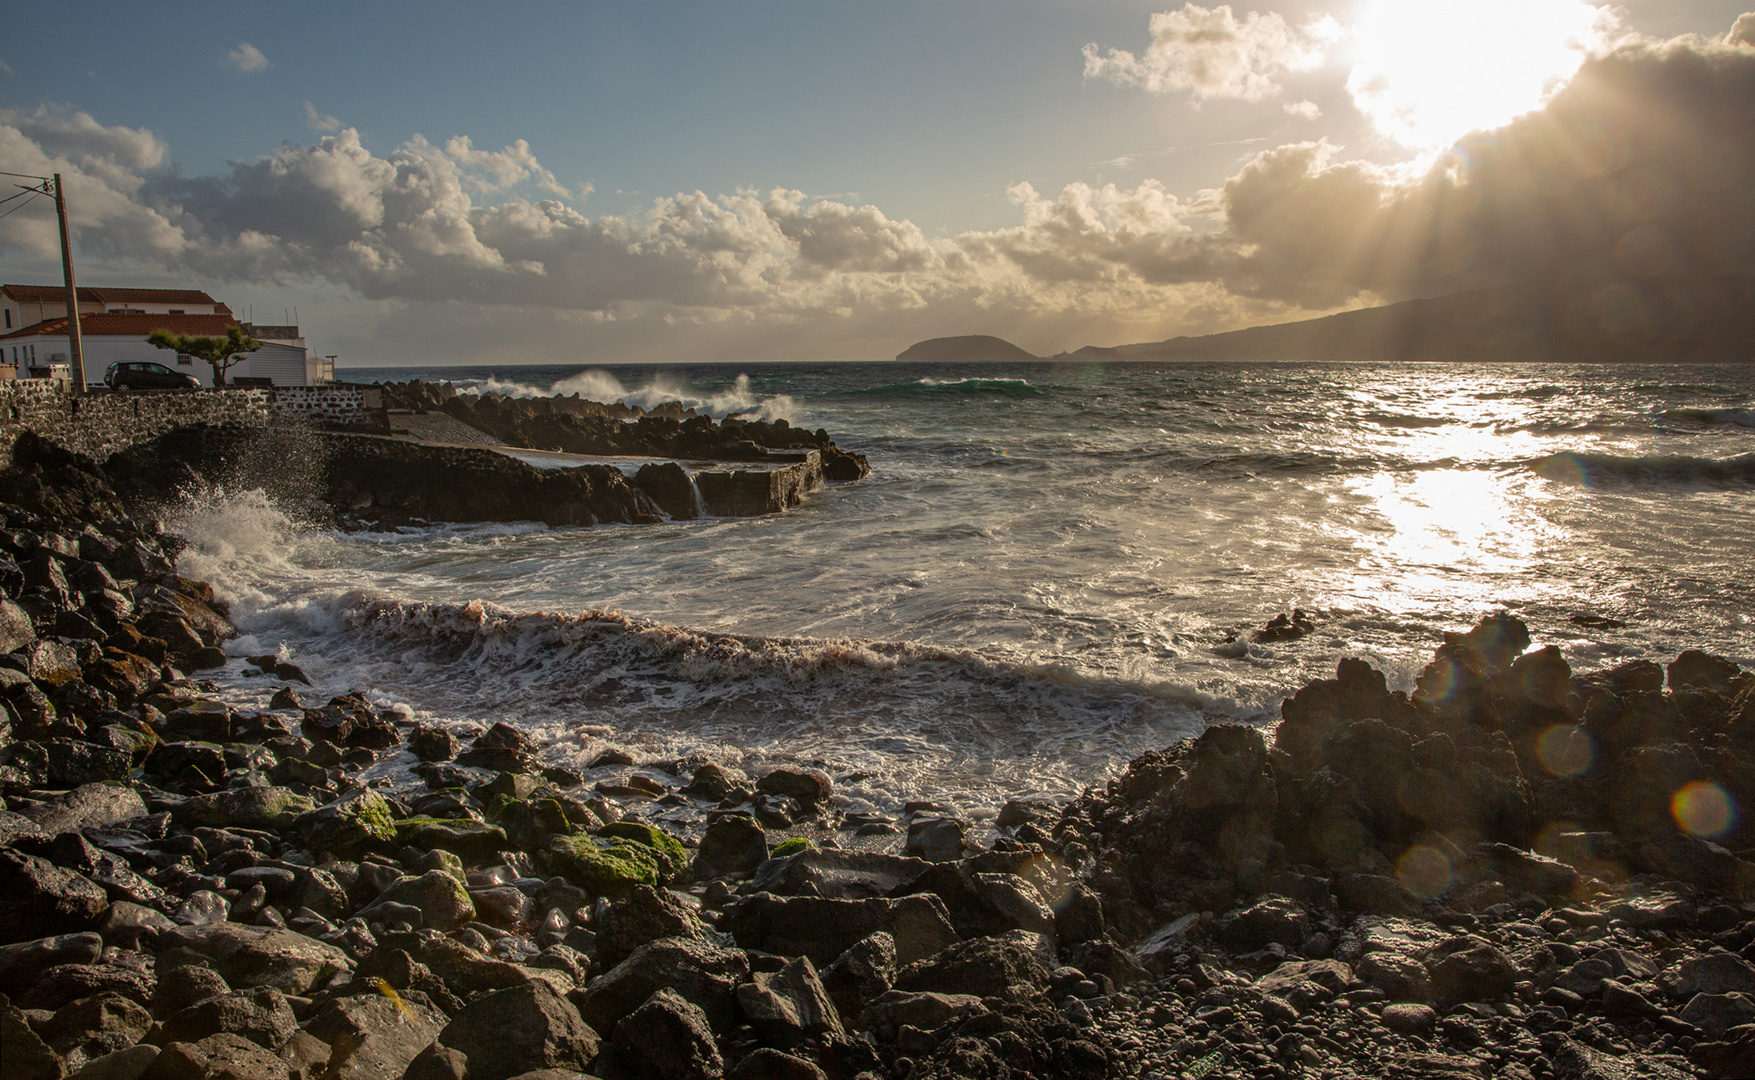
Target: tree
{"x":220,"y":352}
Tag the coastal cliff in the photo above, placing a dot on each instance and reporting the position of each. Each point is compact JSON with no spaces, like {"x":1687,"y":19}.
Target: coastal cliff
{"x":1515,"y":870}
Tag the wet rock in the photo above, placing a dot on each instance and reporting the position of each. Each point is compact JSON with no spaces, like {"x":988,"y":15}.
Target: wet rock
{"x":433,"y":744}
{"x":666,"y":1038}
{"x":442,"y":900}
{"x":702,"y":973}
{"x":372,"y":1035}
{"x":520,"y":1029}
{"x":260,"y":1015}
{"x":789,"y":1006}
{"x":733,"y":844}
{"x":1286,"y":628}
{"x":86,"y":807}
{"x":39,"y":899}
{"x":809,"y":787}
{"x":824,"y":929}
{"x":936,"y":839}
{"x":266,"y":809}
{"x":217,"y":1057}
{"x":838,"y":874}
{"x":72,"y":763}
{"x":471,"y":841}
{"x":251,"y":956}
{"x":352,"y":824}
{"x":641,"y":915}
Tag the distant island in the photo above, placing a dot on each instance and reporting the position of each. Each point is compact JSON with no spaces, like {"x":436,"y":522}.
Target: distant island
{"x":1706,"y":319}
{"x":967,"y":348}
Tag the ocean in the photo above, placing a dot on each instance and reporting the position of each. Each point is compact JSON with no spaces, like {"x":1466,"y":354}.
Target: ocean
{"x":1052,"y":568}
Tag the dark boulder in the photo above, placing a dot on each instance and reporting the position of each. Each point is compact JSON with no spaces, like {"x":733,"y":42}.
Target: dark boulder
{"x":39,"y":899}
{"x":518,"y":1030}
{"x":666,"y":1038}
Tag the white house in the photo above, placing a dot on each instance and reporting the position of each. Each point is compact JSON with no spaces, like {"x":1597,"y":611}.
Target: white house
{"x":27,"y":305}
{"x":115,"y":323}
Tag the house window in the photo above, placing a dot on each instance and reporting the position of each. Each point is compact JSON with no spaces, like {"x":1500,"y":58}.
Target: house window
{"x":175,"y":311}
{"x":185,"y":359}
{"x":8,"y":318}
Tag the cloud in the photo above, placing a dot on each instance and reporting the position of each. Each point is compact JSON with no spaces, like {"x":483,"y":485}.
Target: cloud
{"x":4,"y":66}
{"x":317,"y":121}
{"x":62,"y":132}
{"x":1742,"y":31}
{"x":246,"y":58}
{"x":489,"y":171}
{"x":1304,"y":110}
{"x":1210,"y":53}
{"x":1640,"y":173}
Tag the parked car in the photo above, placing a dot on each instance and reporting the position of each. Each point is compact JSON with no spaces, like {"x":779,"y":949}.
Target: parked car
{"x":146,"y":375}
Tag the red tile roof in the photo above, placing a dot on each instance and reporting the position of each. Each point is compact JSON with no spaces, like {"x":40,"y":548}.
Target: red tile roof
{"x":104,"y":324}
{"x":57,"y":294}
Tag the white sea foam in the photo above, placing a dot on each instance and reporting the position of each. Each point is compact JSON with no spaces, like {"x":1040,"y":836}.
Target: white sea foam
{"x":598,"y":385}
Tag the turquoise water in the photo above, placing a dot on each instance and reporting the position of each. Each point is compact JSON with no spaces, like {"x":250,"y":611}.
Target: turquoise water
{"x":1052,"y":567}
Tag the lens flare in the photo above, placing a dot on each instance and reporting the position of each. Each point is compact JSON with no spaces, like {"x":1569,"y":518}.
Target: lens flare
{"x":1704,"y":809}
{"x":1566,"y":750}
{"x":1425,"y":872}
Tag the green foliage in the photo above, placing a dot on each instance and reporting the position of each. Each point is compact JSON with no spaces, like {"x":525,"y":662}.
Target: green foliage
{"x":667,"y":850}
{"x":792,"y":847}
{"x":601,"y":867}
{"x":221,"y":353}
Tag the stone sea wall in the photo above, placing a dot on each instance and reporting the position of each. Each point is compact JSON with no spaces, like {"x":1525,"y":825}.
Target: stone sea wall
{"x":100,"y":424}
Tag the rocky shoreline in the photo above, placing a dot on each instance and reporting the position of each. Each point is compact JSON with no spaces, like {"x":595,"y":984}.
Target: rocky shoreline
{"x":1513,"y":871}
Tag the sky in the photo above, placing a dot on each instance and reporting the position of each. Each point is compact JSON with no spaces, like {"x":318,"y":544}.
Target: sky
{"x":584,"y":182}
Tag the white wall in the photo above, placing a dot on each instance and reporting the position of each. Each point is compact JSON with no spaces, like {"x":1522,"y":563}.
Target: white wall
{"x":282,"y":363}
{"x":285,"y":364}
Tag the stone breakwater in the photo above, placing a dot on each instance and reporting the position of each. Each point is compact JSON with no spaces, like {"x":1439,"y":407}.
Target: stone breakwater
{"x":1514,"y":871}
{"x":575,"y":425}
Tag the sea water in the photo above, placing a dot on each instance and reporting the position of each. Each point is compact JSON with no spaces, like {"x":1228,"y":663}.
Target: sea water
{"x":1052,"y":567}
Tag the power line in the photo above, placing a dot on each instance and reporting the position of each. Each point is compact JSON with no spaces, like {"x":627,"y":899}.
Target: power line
{"x":19,"y":207}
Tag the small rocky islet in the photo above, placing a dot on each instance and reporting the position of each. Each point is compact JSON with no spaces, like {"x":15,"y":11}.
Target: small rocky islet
{"x":1514,"y":871}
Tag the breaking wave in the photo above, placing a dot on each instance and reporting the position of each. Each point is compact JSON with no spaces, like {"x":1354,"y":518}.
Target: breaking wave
{"x":738,"y":399}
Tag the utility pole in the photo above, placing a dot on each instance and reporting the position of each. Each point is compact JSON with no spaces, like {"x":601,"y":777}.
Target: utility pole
{"x":75,"y":345}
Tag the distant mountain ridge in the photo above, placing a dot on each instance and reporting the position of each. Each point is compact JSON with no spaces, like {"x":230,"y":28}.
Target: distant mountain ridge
{"x":1707,"y":319}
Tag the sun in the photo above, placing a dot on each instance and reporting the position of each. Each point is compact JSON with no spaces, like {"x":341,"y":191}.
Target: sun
{"x":1427,"y":72}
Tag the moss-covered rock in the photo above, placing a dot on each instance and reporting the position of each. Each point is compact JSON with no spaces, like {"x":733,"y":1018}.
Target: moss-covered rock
{"x":358,"y":822}
{"x":672,"y":857}
{"x":471,"y":841}
{"x":601,"y":865}
{"x":529,"y":823}
{"x":792,"y":847}
{"x":270,"y":809}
